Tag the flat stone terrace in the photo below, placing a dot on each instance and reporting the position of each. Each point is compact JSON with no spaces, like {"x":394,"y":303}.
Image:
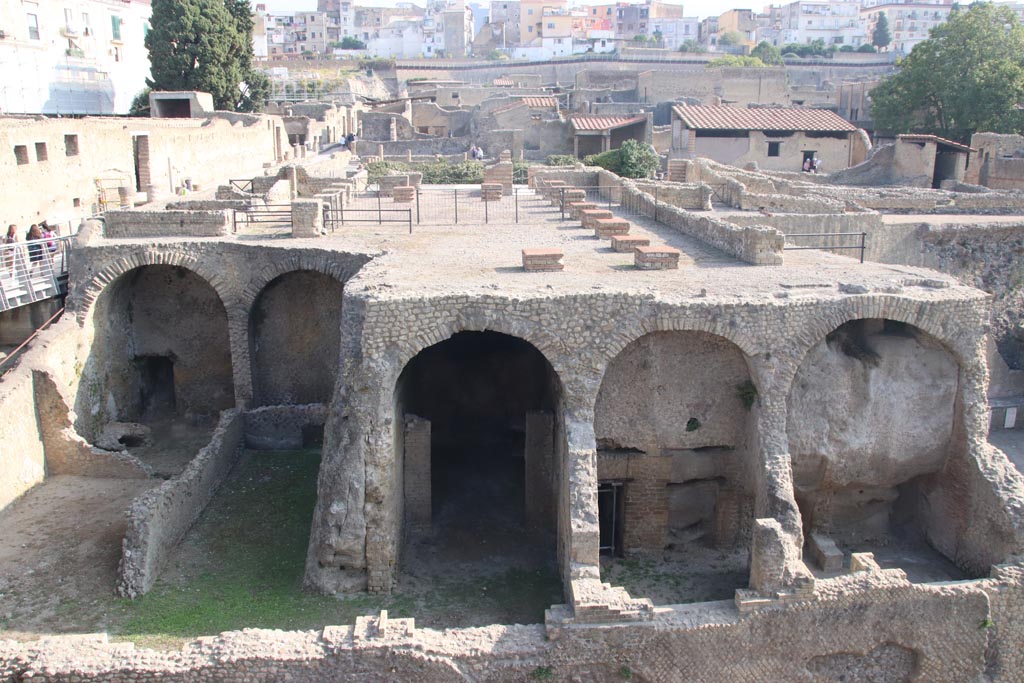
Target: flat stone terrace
{"x":441,"y":257}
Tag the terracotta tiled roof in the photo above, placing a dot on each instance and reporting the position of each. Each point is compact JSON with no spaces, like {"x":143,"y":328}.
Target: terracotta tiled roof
{"x":504,"y":82}
{"x":734,"y":118}
{"x":585,"y":123}
{"x":541,"y":102}
{"x":936,"y":139}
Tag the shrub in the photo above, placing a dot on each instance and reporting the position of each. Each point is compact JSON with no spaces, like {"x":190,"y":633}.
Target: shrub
{"x":378,"y":169}
{"x":519,"y":171}
{"x":610,"y":160}
{"x":638,"y":160}
{"x":444,"y":173}
{"x":867,"y":47}
{"x":561,"y":160}
{"x":736,"y":60}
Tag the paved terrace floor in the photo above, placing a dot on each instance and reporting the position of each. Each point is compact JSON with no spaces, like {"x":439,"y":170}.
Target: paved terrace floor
{"x":442,"y":257}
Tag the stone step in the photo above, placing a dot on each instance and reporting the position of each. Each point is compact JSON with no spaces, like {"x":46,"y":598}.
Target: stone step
{"x":542,"y":260}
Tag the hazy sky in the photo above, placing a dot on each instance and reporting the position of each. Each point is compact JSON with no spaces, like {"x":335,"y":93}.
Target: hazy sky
{"x":694,"y":8}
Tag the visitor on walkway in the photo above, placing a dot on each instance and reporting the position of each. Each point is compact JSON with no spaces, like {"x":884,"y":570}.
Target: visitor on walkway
{"x":34,"y":238}
{"x":9,"y":254}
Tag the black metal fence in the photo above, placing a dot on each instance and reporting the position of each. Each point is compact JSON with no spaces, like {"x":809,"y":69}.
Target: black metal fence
{"x":827,"y":242}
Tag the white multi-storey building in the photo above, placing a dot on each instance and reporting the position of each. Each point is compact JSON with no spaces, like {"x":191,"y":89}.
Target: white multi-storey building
{"x":674,"y":32}
{"x":909,"y":23}
{"x":836,"y":22}
{"x":72,"y":57}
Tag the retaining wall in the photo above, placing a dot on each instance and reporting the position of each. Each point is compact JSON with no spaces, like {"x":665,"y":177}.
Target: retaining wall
{"x":130,"y":224}
{"x":160,"y":517}
{"x":282,"y":427}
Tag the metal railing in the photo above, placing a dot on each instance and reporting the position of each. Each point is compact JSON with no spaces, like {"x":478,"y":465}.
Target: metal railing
{"x":262,"y":214}
{"x":8,"y":362}
{"x":829,"y":247}
{"x":242,"y":185}
{"x":33,"y":271}
{"x":334,"y":218}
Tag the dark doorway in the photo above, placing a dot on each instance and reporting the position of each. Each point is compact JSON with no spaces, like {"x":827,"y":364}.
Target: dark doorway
{"x":156,"y":386}
{"x":140,"y":155}
{"x":480,"y":449}
{"x":609,"y":513}
{"x":808,"y":156}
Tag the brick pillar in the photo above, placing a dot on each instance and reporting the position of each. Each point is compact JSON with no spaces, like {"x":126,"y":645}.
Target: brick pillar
{"x":645,"y":513}
{"x":417,"y":472}
{"x":540,"y":450}
{"x":307,"y":217}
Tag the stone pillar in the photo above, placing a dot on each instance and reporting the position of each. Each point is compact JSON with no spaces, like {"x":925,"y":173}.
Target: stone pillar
{"x":417,"y":473}
{"x":606,"y":142}
{"x":307,"y":217}
{"x":408,"y":155}
{"x":293,"y":182}
{"x":380,"y":152}
{"x":295,"y":151}
{"x":539,"y":456}
{"x":124,"y":197}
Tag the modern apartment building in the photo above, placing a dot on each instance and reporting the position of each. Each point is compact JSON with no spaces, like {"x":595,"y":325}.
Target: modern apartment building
{"x":72,"y":57}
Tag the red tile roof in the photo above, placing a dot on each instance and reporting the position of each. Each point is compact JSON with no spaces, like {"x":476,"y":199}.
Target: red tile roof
{"x":589,"y":123}
{"x":504,"y":82}
{"x":541,"y":102}
{"x":734,"y":118}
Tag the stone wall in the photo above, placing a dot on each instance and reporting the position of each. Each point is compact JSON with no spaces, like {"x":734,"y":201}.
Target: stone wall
{"x":82,"y":153}
{"x":236,"y":272}
{"x":169,"y":223}
{"x":917,"y":632}
{"x":283,"y":427}
{"x":353,"y":540}
{"x":160,"y":517}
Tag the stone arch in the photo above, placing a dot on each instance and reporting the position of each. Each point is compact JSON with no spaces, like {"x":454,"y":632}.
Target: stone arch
{"x":915,"y":313}
{"x":161,"y":345}
{"x":99,"y":282}
{"x":316,"y":262}
{"x":675,"y":425}
{"x":480,"y":439}
{"x":874,"y":414}
{"x":550,"y":346}
{"x":293,"y":329}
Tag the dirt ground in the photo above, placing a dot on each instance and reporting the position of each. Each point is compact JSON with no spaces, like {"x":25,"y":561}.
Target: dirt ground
{"x":59,"y":551}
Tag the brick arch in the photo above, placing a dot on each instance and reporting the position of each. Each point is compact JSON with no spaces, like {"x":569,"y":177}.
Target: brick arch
{"x":624,"y":337}
{"x":914,"y":313}
{"x":549,"y":346}
{"x":102,"y":280}
{"x":317,"y":263}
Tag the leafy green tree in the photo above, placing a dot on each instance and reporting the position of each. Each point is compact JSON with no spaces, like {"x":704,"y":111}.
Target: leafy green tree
{"x":350,"y":43}
{"x":866,"y":47}
{"x":745,"y":61}
{"x":881,"y":37}
{"x":767,"y":53}
{"x":692,"y":45}
{"x":730,"y":38}
{"x":206,"y":45}
{"x":967,"y":77}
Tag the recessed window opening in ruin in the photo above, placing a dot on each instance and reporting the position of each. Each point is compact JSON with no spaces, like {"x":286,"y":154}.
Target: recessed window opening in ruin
{"x":872,"y":427}
{"x":161,"y":351}
{"x":674,"y":421}
{"x":480,"y":444}
{"x":295,"y":334}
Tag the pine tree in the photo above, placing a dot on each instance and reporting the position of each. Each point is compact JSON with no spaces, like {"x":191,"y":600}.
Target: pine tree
{"x":206,"y":45}
{"x":881,"y":36}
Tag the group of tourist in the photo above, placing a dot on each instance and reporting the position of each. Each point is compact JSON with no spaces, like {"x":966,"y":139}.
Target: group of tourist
{"x":41,"y":242}
{"x":349,"y":141}
{"x":476,"y":153}
{"x":812,"y":165}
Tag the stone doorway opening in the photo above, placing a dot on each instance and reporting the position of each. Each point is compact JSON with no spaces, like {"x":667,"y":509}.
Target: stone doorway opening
{"x":480,"y":438}
{"x":156,"y":386}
